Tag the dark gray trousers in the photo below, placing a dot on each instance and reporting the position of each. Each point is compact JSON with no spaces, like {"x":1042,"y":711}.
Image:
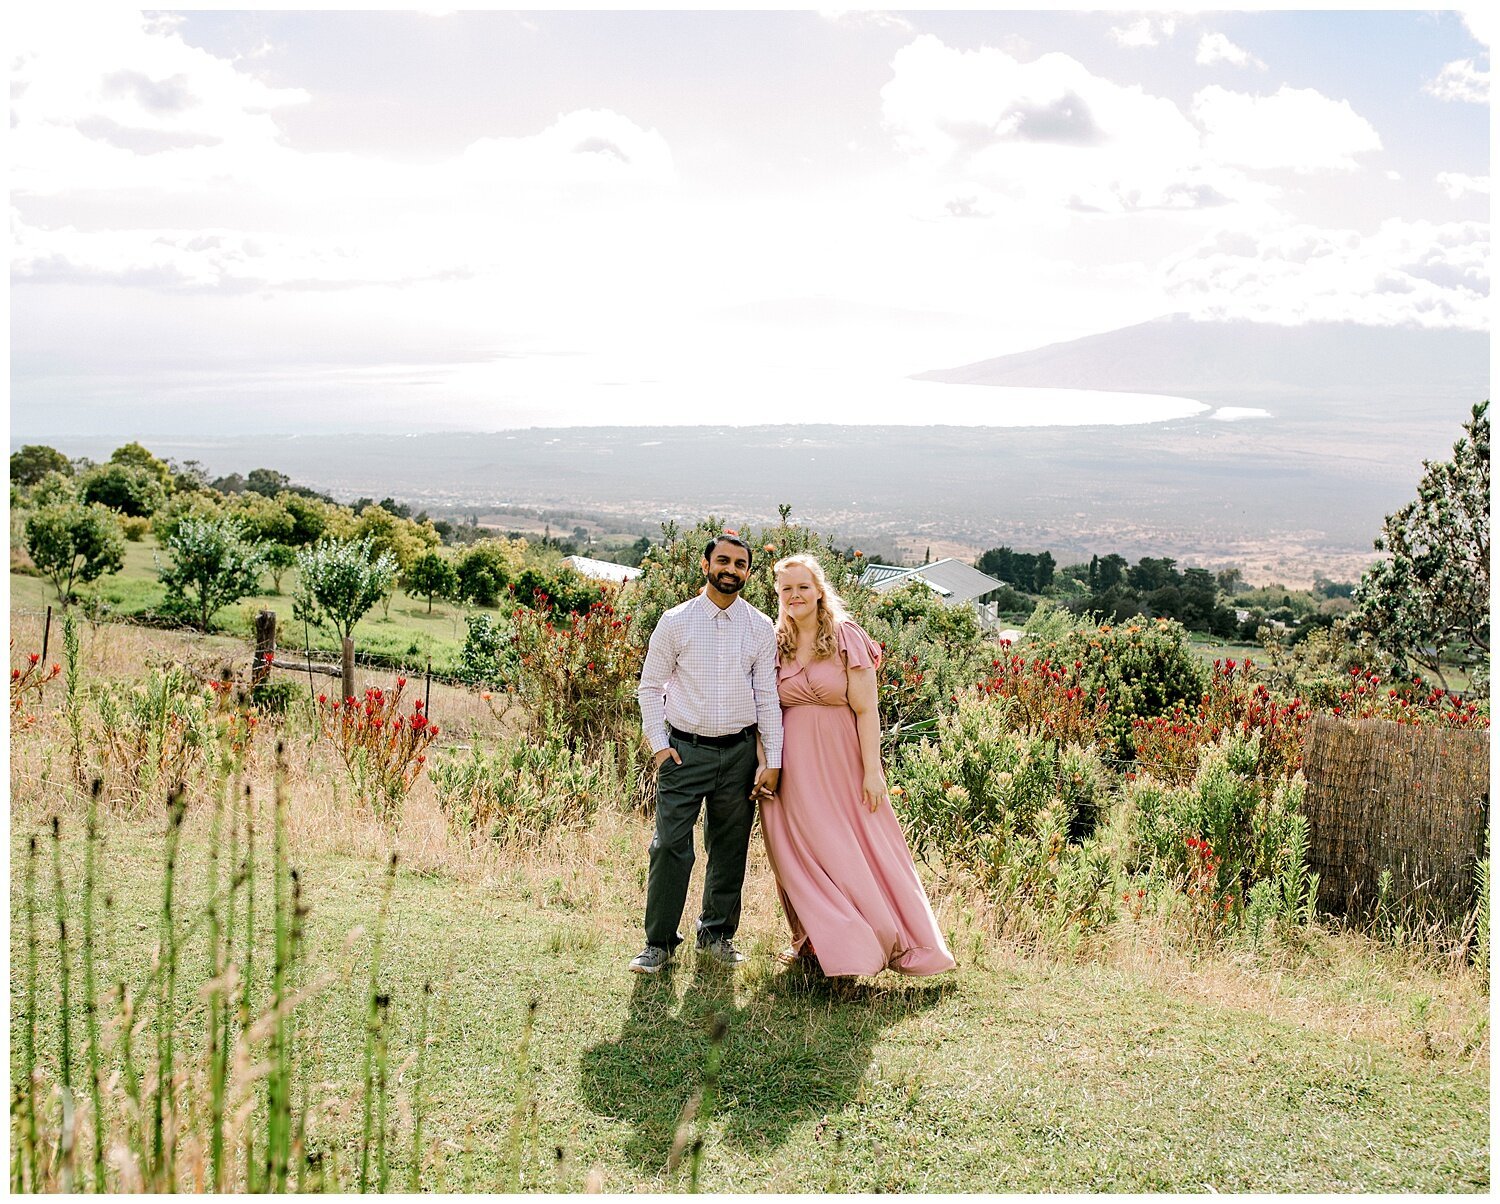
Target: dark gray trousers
{"x":718,"y":779}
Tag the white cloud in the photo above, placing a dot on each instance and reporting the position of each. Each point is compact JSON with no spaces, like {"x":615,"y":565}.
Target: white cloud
{"x":1417,"y":273}
{"x":867,"y":17}
{"x":1216,"y":48}
{"x":1480,"y":22}
{"x":1147,"y":31}
{"x":1462,"y":79}
{"x":1456,"y":185}
{"x":1296,"y":128}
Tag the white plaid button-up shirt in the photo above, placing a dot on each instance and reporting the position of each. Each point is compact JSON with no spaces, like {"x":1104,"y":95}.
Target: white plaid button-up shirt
{"x":712,"y":672}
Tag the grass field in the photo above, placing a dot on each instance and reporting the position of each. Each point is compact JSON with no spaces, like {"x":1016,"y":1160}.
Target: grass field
{"x":1335,"y":1064}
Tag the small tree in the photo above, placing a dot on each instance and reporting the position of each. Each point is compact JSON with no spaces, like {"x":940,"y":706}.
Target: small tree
{"x":1431,"y":596}
{"x":430,"y":576}
{"x":36,"y":460}
{"x":128,"y":488}
{"x":279,"y":557}
{"x":341,"y":581}
{"x":212,"y":566}
{"x":72,"y":543}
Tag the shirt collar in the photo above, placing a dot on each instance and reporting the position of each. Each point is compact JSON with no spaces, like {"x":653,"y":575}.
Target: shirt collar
{"x":732,"y":612}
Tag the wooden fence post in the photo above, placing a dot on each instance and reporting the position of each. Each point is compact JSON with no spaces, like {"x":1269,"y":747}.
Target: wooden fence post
{"x":348,"y":684}
{"x":265,"y":647}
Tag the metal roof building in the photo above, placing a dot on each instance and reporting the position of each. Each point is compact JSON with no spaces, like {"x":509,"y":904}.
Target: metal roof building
{"x":951,"y":579}
{"x":601,"y":570}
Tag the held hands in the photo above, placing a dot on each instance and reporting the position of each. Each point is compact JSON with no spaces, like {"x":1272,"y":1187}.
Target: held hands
{"x":875,"y":790}
{"x":661,"y":757}
{"x":766,"y":781}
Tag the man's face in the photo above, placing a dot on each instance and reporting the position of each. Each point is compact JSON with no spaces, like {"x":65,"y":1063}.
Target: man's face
{"x":727,"y":568}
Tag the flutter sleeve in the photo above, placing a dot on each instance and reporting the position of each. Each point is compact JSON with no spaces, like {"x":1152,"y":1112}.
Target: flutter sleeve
{"x":859,"y":650}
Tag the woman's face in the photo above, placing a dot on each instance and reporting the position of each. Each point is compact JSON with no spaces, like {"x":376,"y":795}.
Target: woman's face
{"x":797,"y":592}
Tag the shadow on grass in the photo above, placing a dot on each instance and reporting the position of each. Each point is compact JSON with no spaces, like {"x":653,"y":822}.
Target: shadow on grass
{"x":797,"y":1048}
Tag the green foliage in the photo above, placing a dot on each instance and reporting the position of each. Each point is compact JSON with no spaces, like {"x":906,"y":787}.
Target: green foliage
{"x":135,"y":529}
{"x":276,"y":697}
{"x":127,"y":488}
{"x":54,"y":489}
{"x":212,"y":566}
{"x":1317,"y":668}
{"x":134,"y":455}
{"x":342,"y":581}
{"x":523,"y":789}
{"x":1141,"y":669}
{"x":487,"y":567}
{"x":430,"y":575}
{"x":34,"y":461}
{"x":1481,"y":954}
{"x":1429,"y":599}
{"x":151,"y":736}
{"x":489,"y":655}
{"x":278,"y":558}
{"x":1251,"y":826}
{"x":72,"y":543}
{"x":401,"y":538}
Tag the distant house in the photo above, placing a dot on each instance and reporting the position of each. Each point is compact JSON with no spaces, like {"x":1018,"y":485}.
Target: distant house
{"x":956,"y":583}
{"x":601,"y":570}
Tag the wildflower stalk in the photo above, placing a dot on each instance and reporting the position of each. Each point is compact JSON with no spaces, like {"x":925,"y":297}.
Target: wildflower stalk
{"x":217,"y":1064}
{"x":90,"y":982}
{"x":163,"y":1132}
{"x":382,"y":1063}
{"x":130,"y":1079}
{"x":28,"y":1049}
{"x":65,"y":1024}
{"x":372,"y":1020}
{"x":523,"y":1098}
{"x":245,"y":989}
{"x":73,"y":704}
{"x":278,"y":1083}
{"x":414,"y":1178}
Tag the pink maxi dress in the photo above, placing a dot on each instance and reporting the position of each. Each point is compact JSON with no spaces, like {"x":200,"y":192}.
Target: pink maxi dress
{"x":844,"y":873}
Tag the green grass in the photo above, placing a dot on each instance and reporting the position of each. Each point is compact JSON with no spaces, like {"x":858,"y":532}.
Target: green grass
{"x":1015,"y":1073}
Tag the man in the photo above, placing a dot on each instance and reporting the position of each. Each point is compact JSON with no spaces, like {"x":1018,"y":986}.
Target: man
{"x":708,"y":691}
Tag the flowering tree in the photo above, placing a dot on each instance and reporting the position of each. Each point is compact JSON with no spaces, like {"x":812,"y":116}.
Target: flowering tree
{"x":341,"y":581}
{"x":212,"y":566}
{"x":1431,"y":596}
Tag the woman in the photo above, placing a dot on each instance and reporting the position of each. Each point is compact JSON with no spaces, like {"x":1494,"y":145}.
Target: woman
{"x":843,"y":870}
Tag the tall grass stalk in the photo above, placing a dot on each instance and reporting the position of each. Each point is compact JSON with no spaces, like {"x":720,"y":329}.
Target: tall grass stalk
{"x":164,"y":1126}
{"x":31,"y":1136}
{"x":90,"y":981}
{"x":245,"y":1013}
{"x":279,"y":1081}
{"x":373,"y":1020}
{"x":65,"y":1015}
{"x":382,"y":1095}
{"x":518,"y":1115}
{"x":217,"y":1061}
{"x":73,"y":702}
{"x":414,"y":1176}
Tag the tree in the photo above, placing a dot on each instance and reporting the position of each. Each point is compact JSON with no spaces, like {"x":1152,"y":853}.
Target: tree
{"x":34,"y":461}
{"x":1430,"y":596}
{"x":279,"y":558}
{"x":72,"y":543}
{"x":133,"y":455}
{"x":128,"y":488}
{"x":341,"y":581}
{"x":266,"y":481}
{"x":487,"y":568}
{"x":212,"y":565}
{"x":430,"y":576}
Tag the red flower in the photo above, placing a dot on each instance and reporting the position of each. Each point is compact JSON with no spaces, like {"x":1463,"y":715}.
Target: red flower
{"x":418,"y":705}
{"x":322,"y":698}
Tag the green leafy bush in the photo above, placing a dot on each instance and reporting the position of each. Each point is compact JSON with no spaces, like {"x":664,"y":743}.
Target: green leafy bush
{"x":523,"y":788}
{"x":489,"y":657}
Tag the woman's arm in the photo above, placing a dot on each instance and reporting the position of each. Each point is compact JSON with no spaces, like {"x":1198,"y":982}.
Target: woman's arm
{"x":864,"y":703}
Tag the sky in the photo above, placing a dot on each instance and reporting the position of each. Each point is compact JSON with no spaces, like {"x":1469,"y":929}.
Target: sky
{"x":229,"y":222}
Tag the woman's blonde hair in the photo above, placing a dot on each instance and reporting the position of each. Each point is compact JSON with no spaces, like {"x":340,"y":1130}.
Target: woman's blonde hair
{"x":831,"y":610}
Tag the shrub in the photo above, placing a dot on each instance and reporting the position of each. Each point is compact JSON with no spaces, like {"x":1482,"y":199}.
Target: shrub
{"x":1045,"y":699}
{"x":523,"y":788}
{"x":577,"y":681}
{"x":28,"y":683}
{"x":341,"y":581}
{"x":152,"y":736}
{"x":383,"y":751}
{"x":1140,"y":670}
{"x":1409,"y":701}
{"x":128,"y":488}
{"x":486,"y":568}
{"x":135,"y":529}
{"x":274,"y":697}
{"x":489,"y":653}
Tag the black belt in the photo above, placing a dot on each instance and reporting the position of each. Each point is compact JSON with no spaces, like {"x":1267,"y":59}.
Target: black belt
{"x":728,"y":741}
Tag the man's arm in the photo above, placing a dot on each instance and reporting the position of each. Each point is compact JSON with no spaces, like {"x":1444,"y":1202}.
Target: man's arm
{"x":661,"y":656}
{"x":767,"y":713}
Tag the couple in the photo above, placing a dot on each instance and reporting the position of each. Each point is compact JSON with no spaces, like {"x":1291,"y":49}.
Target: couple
{"x":720,"y":687}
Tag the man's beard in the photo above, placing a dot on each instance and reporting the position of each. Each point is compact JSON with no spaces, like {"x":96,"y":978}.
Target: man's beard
{"x":727,"y":584}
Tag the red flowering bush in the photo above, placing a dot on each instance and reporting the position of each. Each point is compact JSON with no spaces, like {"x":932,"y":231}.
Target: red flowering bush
{"x":577,"y":678}
{"x":1210,"y":904}
{"x":1170,"y":746}
{"x":383,"y":750}
{"x":1047,"y":698}
{"x":27,"y":684}
{"x":1407,"y":701}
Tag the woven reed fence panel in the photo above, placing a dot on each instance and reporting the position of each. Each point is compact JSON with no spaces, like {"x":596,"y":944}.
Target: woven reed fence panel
{"x":1398,"y":797}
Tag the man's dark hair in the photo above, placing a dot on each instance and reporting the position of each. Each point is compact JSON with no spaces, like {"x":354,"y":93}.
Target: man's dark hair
{"x":708,"y":550}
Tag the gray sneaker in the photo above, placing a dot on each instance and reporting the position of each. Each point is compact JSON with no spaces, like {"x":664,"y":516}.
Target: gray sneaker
{"x":650,"y":960}
{"x":722,"y":950}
